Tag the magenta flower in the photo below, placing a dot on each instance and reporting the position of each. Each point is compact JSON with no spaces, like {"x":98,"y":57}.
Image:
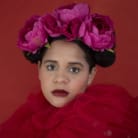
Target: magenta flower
{"x":103,"y":23}
{"x":32,"y":36}
{"x":72,"y":21}
{"x":51,"y":25}
{"x":67,"y":13}
{"x":97,"y":32}
{"x":70,"y":30}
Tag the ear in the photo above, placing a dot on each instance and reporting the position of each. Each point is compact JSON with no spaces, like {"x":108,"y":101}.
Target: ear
{"x":92,"y":75}
{"x":38,"y":64}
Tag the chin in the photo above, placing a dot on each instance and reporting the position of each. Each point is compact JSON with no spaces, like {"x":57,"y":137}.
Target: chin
{"x":58,"y":104}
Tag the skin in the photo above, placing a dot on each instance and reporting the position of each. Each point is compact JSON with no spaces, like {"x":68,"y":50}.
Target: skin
{"x":64,"y":67}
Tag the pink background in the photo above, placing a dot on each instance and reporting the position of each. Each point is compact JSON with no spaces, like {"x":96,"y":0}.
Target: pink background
{"x":18,"y":77}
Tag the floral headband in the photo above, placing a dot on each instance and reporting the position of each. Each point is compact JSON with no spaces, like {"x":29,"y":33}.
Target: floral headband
{"x":72,"y":21}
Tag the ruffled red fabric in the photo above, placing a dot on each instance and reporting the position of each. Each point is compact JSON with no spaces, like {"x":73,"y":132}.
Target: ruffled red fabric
{"x":101,"y":112}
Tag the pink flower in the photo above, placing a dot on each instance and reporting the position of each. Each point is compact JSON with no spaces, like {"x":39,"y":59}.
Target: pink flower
{"x":70,"y":29}
{"x":67,"y":13}
{"x":32,"y":36}
{"x":103,"y":23}
{"x":97,"y":32}
{"x":52,"y":25}
{"x":72,"y":21}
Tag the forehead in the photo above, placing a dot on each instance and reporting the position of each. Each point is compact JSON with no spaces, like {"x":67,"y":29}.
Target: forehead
{"x":65,"y":50}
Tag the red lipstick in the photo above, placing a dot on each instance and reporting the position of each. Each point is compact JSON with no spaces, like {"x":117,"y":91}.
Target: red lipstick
{"x":60,"y":93}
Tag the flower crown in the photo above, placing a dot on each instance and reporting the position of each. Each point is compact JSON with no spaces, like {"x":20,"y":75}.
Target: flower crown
{"x":72,"y":21}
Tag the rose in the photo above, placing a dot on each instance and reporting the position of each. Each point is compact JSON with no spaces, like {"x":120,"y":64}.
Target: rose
{"x":67,"y":13}
{"x":74,"y":22}
{"x":51,"y":24}
{"x":70,"y":29}
{"x":70,"y":18}
{"x":97,"y":32}
{"x":32,"y":36}
{"x":103,"y":23}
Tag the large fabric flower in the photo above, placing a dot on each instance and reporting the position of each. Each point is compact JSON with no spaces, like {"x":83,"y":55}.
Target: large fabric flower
{"x":97,"y":32}
{"x":70,"y":29}
{"x":33,"y":35}
{"x":72,"y":21}
{"x":67,"y":13}
{"x":52,"y":25}
{"x":70,"y":18}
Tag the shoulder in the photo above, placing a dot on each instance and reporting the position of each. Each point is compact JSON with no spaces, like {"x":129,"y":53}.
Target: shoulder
{"x":20,"y":121}
{"x":102,"y":111}
{"x":111,"y":95}
{"x":105,"y":99}
{"x":103,"y":89}
{"x":108,"y":107}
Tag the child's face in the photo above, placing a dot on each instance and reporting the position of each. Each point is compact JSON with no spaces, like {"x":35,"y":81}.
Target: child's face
{"x":64,"y":73}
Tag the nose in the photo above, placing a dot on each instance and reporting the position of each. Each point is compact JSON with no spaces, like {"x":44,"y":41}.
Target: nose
{"x":61,"y":77}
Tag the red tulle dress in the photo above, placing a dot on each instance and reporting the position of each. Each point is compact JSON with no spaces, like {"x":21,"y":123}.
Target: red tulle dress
{"x":101,"y":112}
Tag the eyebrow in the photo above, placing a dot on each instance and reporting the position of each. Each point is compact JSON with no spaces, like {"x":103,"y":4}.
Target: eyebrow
{"x":53,"y":61}
{"x":76,"y":63}
{"x":70,"y":63}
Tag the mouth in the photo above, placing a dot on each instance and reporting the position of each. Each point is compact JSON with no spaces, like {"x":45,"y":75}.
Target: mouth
{"x":60,"y":93}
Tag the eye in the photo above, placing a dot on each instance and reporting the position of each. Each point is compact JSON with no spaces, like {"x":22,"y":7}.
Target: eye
{"x":74,"y":70}
{"x":51,"y":67}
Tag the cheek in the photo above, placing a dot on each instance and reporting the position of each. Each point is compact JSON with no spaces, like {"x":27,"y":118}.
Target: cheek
{"x":44,"y":78}
{"x":80,"y":85}
{"x":45,"y":82}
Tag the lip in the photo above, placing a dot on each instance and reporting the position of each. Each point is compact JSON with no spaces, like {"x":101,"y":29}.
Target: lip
{"x":60,"y":93}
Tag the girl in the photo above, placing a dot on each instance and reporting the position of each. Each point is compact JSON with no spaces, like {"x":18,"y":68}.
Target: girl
{"x":67,"y":45}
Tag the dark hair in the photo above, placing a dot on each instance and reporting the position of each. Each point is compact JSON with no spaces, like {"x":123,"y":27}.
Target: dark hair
{"x":104,"y":59}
